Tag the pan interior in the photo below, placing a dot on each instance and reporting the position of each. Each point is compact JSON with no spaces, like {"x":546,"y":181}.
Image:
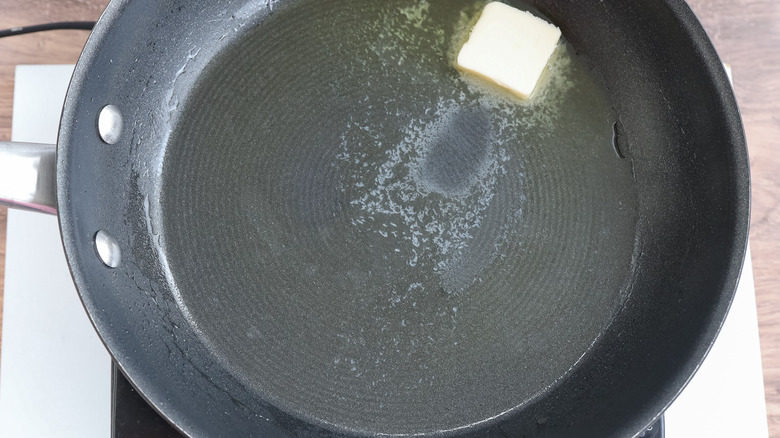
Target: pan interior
{"x":371,"y":240}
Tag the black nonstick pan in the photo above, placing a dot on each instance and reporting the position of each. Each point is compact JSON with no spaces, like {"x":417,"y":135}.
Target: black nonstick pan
{"x":297,"y":218}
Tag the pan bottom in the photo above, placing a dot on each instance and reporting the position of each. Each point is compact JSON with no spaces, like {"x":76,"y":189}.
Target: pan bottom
{"x":374,"y":242}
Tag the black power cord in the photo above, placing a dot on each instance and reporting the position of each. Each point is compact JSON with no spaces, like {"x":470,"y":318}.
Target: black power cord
{"x":76,"y":25}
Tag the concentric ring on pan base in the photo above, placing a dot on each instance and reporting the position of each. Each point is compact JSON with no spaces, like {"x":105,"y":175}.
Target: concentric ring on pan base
{"x":317,"y":312}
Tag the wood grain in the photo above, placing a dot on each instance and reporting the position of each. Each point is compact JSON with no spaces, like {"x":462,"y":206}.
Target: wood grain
{"x":745,"y":32}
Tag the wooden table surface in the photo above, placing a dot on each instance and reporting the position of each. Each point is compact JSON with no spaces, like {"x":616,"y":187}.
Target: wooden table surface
{"x":745,"y":32}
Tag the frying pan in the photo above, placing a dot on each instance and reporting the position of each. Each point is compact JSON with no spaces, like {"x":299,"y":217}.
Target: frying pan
{"x":252,"y":276}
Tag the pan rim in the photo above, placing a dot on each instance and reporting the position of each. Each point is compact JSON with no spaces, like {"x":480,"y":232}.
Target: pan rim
{"x":687,"y":21}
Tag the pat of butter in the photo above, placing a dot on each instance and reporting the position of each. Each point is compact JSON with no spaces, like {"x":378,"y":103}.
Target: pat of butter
{"x":510,"y":47}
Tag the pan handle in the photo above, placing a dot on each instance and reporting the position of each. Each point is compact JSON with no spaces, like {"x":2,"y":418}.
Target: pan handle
{"x":28,"y":177}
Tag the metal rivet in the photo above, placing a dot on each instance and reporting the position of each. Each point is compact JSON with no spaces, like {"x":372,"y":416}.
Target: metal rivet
{"x":107,"y":249}
{"x":110,"y":124}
